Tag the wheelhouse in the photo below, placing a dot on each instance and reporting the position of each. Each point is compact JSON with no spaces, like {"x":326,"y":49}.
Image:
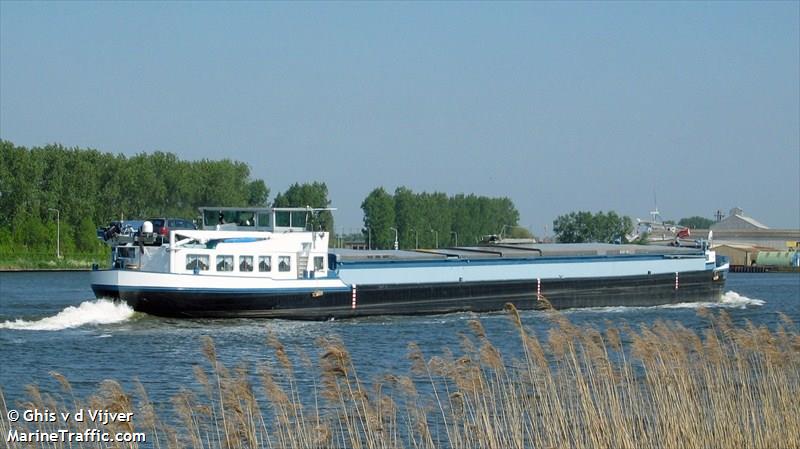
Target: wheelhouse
{"x":278,"y":219}
{"x":274,"y":243}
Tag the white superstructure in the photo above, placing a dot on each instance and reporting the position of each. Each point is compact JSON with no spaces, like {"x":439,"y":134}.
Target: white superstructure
{"x":244,"y":242}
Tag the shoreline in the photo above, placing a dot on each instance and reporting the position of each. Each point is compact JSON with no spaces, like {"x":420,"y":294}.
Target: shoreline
{"x":21,"y":264}
{"x":43,"y":270}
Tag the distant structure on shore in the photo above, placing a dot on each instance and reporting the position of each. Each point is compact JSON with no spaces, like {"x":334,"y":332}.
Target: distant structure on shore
{"x":751,"y":245}
{"x":740,"y":229}
{"x":736,"y":220}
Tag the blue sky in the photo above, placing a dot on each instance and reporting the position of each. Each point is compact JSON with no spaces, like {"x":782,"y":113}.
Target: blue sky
{"x":560,"y":106}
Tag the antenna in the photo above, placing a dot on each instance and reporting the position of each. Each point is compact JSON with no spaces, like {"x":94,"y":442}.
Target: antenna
{"x":654,"y":214}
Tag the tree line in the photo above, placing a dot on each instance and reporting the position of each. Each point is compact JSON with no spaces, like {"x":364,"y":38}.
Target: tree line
{"x":428,"y":220}
{"x":609,"y":227}
{"x":86,"y":188}
{"x":585,"y":227}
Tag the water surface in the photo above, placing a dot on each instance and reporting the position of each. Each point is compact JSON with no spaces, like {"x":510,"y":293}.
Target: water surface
{"x":50,"y":322}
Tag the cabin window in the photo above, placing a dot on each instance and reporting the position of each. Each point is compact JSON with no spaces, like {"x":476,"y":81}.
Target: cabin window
{"x":197,"y":262}
{"x":319,"y":263}
{"x":282,"y":218}
{"x":210,"y":217}
{"x":263,"y":219}
{"x":224,"y":263}
{"x":222,"y":217}
{"x":246,"y":219}
{"x":284,"y":263}
{"x":126,"y":252}
{"x":299,"y":219}
{"x":264,"y":264}
{"x":245,"y":263}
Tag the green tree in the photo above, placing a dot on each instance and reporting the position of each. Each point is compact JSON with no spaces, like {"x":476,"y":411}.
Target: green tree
{"x":379,"y":216}
{"x":85,"y":240}
{"x":581,"y":227}
{"x":409,"y":218}
{"x":437,"y":225}
{"x":223,"y":183}
{"x":474,"y":217}
{"x":308,"y":195}
{"x":90,"y":188}
{"x":257,"y":193}
{"x":696,"y":222}
{"x":428,"y":217}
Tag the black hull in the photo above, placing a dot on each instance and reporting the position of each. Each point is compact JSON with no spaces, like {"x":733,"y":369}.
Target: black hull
{"x":414,"y":299}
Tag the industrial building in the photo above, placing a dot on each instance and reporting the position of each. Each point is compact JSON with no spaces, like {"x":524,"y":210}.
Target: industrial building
{"x":740,"y":229}
{"x":751,"y":245}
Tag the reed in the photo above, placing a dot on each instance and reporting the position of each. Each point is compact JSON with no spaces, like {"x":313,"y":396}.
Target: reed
{"x":653,"y":386}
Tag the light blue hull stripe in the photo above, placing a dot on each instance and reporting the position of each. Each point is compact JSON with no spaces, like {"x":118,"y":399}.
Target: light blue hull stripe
{"x":249,"y":291}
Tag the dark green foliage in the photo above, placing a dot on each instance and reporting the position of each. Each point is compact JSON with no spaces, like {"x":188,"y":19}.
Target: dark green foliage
{"x":379,"y":216}
{"x":91,"y":188}
{"x":308,"y":195}
{"x":409,"y":219}
{"x":696,"y":222}
{"x":582,"y":227}
{"x":257,"y":193}
{"x":424,"y":217}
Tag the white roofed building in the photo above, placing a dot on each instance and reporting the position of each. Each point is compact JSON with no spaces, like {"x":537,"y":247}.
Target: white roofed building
{"x":738,"y":229}
{"x":738,"y":221}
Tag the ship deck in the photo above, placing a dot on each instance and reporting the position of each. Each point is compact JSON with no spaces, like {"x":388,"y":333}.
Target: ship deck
{"x":513,"y":252}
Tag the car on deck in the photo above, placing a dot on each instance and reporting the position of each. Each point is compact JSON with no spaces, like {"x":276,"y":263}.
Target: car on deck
{"x":162,"y":226}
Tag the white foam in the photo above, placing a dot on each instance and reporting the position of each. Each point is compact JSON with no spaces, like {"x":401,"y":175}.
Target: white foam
{"x":605,"y":309}
{"x":100,"y":311}
{"x":730,"y":300}
{"x":733,"y":299}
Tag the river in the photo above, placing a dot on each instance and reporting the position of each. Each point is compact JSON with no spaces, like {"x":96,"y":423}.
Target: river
{"x":51,"y":322}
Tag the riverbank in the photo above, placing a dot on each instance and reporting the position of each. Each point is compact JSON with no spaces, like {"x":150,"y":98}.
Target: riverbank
{"x":38,"y":263}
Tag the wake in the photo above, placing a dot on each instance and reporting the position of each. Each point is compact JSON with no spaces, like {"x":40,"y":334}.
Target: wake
{"x":100,"y":311}
{"x":729,"y":300}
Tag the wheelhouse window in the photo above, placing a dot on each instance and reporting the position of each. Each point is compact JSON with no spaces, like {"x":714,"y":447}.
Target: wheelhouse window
{"x":246,"y":219}
{"x":264,"y":264}
{"x":245,"y":263}
{"x":282,"y":219}
{"x":284,"y":263}
{"x":298,"y":220}
{"x":197,"y":262}
{"x":224,"y":263}
{"x":319,"y":263}
{"x":126,"y":252}
{"x":264,"y":220}
{"x":211,"y":217}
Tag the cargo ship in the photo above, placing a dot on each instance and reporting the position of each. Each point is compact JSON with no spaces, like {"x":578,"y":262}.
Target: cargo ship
{"x":271,"y":263}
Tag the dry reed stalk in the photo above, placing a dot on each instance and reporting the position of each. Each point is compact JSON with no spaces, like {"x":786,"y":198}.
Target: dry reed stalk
{"x":210,"y":352}
{"x":147,"y":415}
{"x":657,"y":386}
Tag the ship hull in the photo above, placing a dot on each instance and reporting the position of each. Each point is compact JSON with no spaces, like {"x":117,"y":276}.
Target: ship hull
{"x":348,"y":301}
